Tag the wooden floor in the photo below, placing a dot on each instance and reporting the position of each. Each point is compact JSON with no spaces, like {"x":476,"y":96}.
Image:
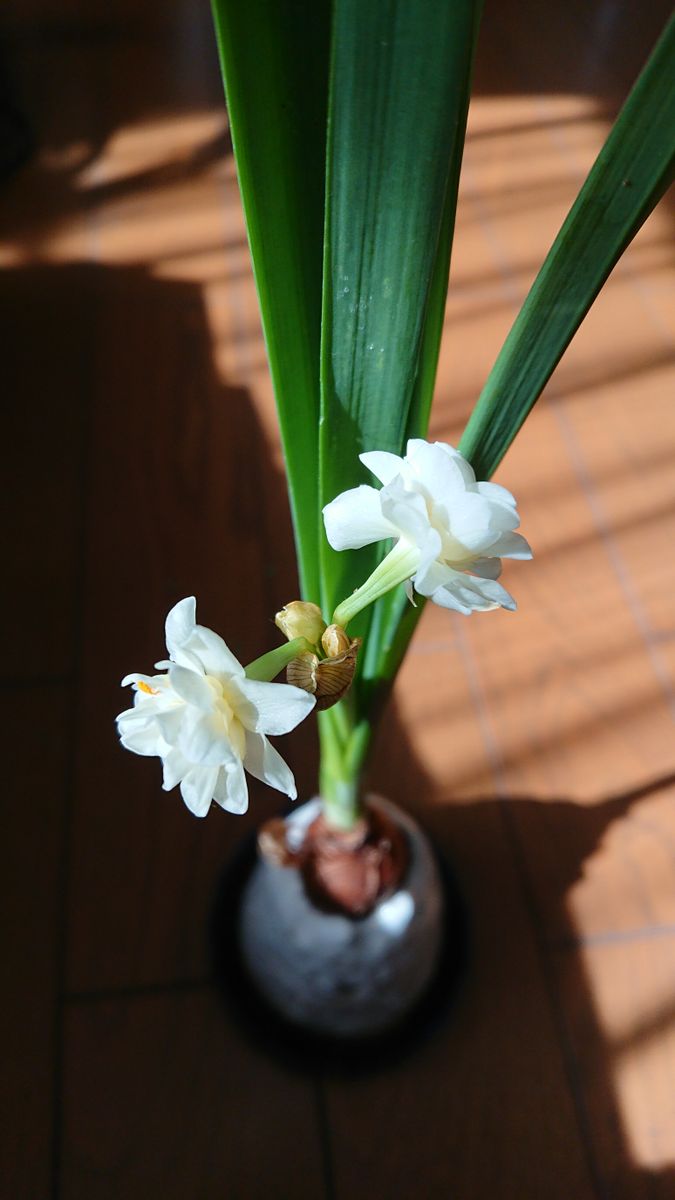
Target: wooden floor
{"x":143,"y":457}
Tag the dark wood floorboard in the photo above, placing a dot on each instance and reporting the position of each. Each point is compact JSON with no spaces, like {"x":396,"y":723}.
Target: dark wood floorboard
{"x":143,"y":464}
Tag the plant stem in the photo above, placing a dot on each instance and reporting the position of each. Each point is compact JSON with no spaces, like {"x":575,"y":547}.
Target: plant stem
{"x":269,"y":665}
{"x":341,"y":766}
{"x":340,"y":774}
{"x":341,"y":804}
{"x":400,"y":564}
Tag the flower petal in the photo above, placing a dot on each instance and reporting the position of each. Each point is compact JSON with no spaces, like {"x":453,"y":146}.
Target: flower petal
{"x":487,"y":568}
{"x":170,"y":724}
{"x":440,"y":475}
{"x":468,"y":473}
{"x":497,"y":493}
{"x":174,"y":768}
{"x":433,"y":576}
{"x":445,"y":598}
{"x":476,"y":523}
{"x":511,"y":545}
{"x":154,"y":682}
{"x":430,"y":551}
{"x":426,"y":460}
{"x":191,"y":687}
{"x":270,"y":707}
{"x":204,"y":739}
{"x":467,"y":593}
{"x":138,"y":715}
{"x":231,"y":791}
{"x":142,"y":739}
{"x":179,"y":624}
{"x":407,"y":512}
{"x":213,"y":653}
{"x":265,"y":763}
{"x":354,"y":519}
{"x":197,"y":788}
{"x":383,"y":465}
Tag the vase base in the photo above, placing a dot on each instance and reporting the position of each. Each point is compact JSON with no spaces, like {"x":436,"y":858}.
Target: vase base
{"x":345,"y":1041}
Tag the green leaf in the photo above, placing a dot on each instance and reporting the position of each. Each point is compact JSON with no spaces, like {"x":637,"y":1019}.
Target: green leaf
{"x":274,"y":56}
{"x":394,"y":620}
{"x":400,"y":83}
{"x":631,"y":173}
{"x":398,"y":98}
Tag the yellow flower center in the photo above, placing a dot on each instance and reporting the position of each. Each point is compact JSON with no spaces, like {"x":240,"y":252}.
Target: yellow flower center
{"x":224,"y":706}
{"x":145,"y":687}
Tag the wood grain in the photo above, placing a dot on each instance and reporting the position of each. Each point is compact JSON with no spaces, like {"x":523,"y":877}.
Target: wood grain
{"x":162,"y":1098}
{"x":464,"y":1116}
{"x":37,"y":728}
{"x":43,"y":458}
{"x":173,"y":511}
{"x":144,"y":464}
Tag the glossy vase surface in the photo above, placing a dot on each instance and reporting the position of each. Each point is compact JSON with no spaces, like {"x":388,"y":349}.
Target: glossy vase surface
{"x":333,"y":974}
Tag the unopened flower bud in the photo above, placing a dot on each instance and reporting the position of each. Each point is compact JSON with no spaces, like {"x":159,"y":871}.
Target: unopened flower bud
{"x":335,"y":641}
{"x":301,"y":618}
{"x":328,"y":679}
{"x":301,"y":672}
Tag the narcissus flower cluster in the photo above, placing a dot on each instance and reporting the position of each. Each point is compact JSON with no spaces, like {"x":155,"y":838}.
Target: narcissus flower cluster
{"x":207,"y":717}
{"x":207,"y":721}
{"x":451,"y":531}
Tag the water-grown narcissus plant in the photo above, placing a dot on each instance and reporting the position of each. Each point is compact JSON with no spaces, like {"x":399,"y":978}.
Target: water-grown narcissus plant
{"x":348,"y":122}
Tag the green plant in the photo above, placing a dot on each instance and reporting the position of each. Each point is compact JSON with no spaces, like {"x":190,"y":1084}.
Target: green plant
{"x":348,"y":125}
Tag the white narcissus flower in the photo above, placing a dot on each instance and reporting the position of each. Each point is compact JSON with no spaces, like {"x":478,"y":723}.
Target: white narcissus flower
{"x":207,"y":721}
{"x":451,"y":531}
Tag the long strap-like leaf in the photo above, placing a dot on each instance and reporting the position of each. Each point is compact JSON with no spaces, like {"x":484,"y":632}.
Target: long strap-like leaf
{"x":398,"y":97}
{"x":274,"y":56}
{"x":631,"y":173}
{"x":394,"y":620}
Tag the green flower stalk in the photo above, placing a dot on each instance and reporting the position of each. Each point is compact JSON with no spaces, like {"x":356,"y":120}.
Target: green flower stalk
{"x":269,"y":665}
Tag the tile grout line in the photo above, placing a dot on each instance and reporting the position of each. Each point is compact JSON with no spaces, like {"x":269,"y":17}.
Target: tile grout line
{"x":609,"y":937}
{"x":616,"y":559}
{"x":560,"y":141}
{"x":627,"y":272}
{"x":513,"y":292}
